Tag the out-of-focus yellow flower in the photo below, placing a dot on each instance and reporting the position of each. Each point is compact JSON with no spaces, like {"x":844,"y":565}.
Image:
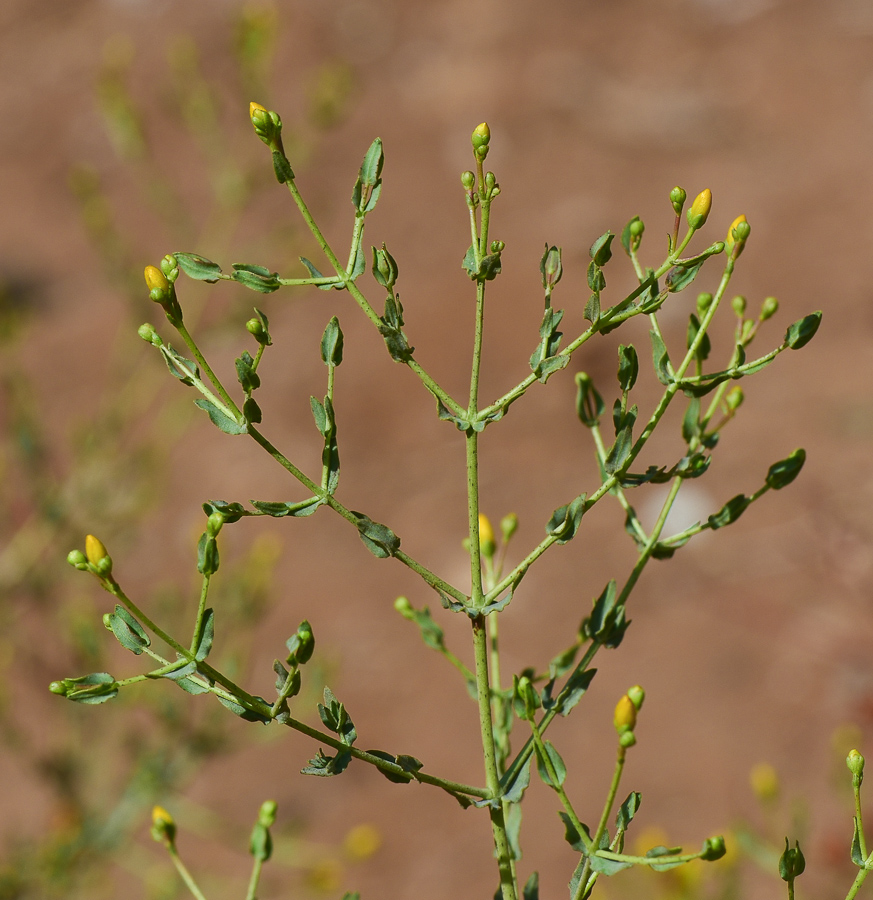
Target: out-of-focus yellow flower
{"x":764,"y":782}
{"x":325,"y":876}
{"x":362,"y":841}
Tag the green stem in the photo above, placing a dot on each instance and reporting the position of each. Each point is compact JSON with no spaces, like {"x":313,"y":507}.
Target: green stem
{"x":508,"y":887}
{"x":201,"y":610}
{"x":856,"y":884}
{"x":182,"y":869}
{"x":254,"y":880}
{"x":201,"y":361}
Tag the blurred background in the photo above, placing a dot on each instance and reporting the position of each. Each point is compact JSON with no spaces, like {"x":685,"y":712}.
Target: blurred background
{"x":126,"y":136}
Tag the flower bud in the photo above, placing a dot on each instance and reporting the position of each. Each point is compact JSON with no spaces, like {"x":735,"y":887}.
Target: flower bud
{"x":769,"y":308}
{"x":791,"y":863}
{"x":627,"y":739}
{"x":77,"y":560}
{"x":637,"y":696}
{"x":508,"y":526}
{"x":256,"y":329}
{"x":214,"y":524}
{"x":268,"y":125}
{"x":58,"y":687}
{"x":497,"y":246}
{"x":147,"y":333}
{"x":739,"y":305}
{"x":527,"y":693}
{"x":487,"y":544}
{"x":156,"y":282}
{"x":480,"y":138}
{"x":713,"y":848}
{"x":551,"y":267}
{"x":637,"y":228}
{"x":384,"y":268}
{"x":704,"y":301}
{"x":855,"y":763}
{"x":677,"y":198}
{"x":736,"y":237}
{"x":170,"y":267}
{"x":734,"y":398}
{"x":267,"y":813}
{"x":699,"y":210}
{"x":107,"y":621}
{"x":163,"y":826}
{"x":468,"y":179}
{"x":404,"y":607}
{"x":625,"y":717}
{"x":490,"y":183}
{"x":94,"y":549}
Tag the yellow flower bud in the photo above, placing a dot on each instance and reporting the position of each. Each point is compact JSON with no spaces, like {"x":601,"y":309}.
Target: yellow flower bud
{"x":699,"y":210}
{"x":733,"y":238}
{"x":625,"y":717}
{"x":94,"y":550}
{"x":481,"y":135}
{"x":155,"y":279}
{"x":855,"y":763}
{"x":163,"y":826}
{"x":255,"y":107}
{"x":487,"y":542}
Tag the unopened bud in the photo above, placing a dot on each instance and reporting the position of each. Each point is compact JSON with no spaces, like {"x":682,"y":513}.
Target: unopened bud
{"x":147,"y":333}
{"x":713,"y":848}
{"x":527,"y":693}
{"x":497,"y":246}
{"x":480,"y":139}
{"x":739,"y":305}
{"x":163,"y":826}
{"x":77,"y":560}
{"x":699,"y":210}
{"x":627,"y":739}
{"x":508,"y":526}
{"x":214,"y":524}
{"x":677,"y":198}
{"x":170,"y":267}
{"x":268,"y":125}
{"x":404,"y":607}
{"x":855,"y":763}
{"x":551,"y":267}
{"x":384,"y":267}
{"x":94,"y":550}
{"x":734,"y":398}
{"x":487,"y":544}
{"x":791,"y":863}
{"x":256,"y":329}
{"x":267,"y":813}
{"x":468,"y":179}
{"x":156,"y":282}
{"x":59,"y":688}
{"x":625,"y":716}
{"x":704,"y":301}
{"x":736,"y":237}
{"x":769,"y":308}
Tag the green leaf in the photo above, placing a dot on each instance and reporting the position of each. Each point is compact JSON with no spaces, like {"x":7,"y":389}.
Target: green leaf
{"x":256,"y":278}
{"x":322,"y":422}
{"x":557,"y":764}
{"x":336,"y":718}
{"x":431,"y":633}
{"x":573,"y":690}
{"x":596,"y":278}
{"x":803,"y":331}
{"x":660,"y":358}
{"x":531,"y":890}
{"x":701,"y":388}
{"x":468,"y":263}
{"x":605,"y":866}
{"x":512,"y":818}
{"x":445,"y":415}
{"x":598,"y":625}
{"x":679,"y":277}
{"x":691,"y":421}
{"x":390,"y":329}
{"x":128,"y":631}
{"x":232,"y":512}
{"x":620,"y":451}
{"x":572,"y":835}
{"x":245,"y":373}
{"x":251,"y":412}
{"x":857,"y":855}
{"x":207,"y":635}
{"x":626,"y":235}
{"x":628,"y":367}
{"x":219,"y":419}
{"x":730,"y":512}
{"x":198,"y":267}
{"x":183,"y":369}
{"x":592,"y":309}
{"x":513,"y":790}
{"x":239,"y":710}
{"x":326,"y":766}
{"x":563,"y":662}
{"x":91,"y":689}
{"x":282,"y":168}
{"x":190,"y":686}
{"x":565,"y":520}
{"x":394,"y":777}
{"x":658,"y":852}
{"x":628,"y":810}
{"x":315,"y":273}
{"x":379,"y":539}
{"x":207,"y":555}
{"x":589,"y":403}
{"x":782,"y":473}
{"x":600,"y":251}
{"x":705,"y":346}
{"x":332,"y":343}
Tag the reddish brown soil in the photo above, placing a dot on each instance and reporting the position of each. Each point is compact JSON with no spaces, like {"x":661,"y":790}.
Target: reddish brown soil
{"x":753,"y":644}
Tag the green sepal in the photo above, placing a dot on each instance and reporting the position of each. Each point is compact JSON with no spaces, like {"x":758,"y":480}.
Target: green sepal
{"x":626,"y":235}
{"x":572,"y":836}
{"x":326,"y":766}
{"x":207,"y":555}
{"x":336,"y":718}
{"x":792,"y":863}
{"x":601,"y":250}
{"x":803,"y":331}
{"x":332,"y":343}
{"x":565,"y":520}
{"x":256,"y":278}
{"x":369,"y":182}
{"x":301,"y":644}
{"x":782,"y":473}
{"x":183,"y":369}
{"x":246,"y":375}
{"x":557,"y":765}
{"x":730,"y":512}
{"x":660,"y":358}
{"x":679,"y":277}
{"x":128,"y":631}
{"x":260,"y":843}
{"x":248,"y":714}
{"x":207,"y":636}
{"x":282,"y":168}
{"x":198,"y":267}
{"x":219,"y":419}
{"x":379,"y":539}
{"x":713,"y":849}
{"x":95,"y":688}
{"x":488,"y":268}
